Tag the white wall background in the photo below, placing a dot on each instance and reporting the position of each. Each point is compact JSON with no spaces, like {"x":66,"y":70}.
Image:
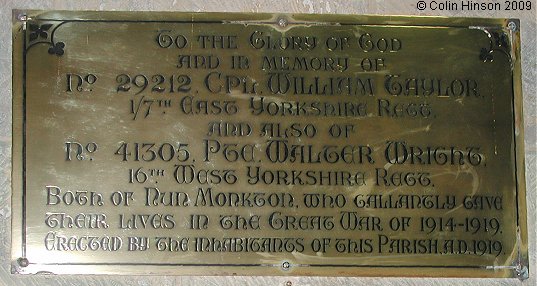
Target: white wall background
{"x":387,"y":7}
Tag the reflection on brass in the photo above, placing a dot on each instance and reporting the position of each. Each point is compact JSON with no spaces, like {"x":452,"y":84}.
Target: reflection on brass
{"x":239,"y":144}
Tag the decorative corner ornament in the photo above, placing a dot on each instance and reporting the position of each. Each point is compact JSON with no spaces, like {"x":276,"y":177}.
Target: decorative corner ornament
{"x":43,"y":33}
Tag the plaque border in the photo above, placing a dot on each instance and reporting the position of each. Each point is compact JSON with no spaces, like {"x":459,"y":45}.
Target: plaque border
{"x":21,"y":265}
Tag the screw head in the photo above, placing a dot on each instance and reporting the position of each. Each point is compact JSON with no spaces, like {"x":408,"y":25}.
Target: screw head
{"x":286,"y":265}
{"x":23,"y":262}
{"x":282,"y":22}
{"x":288,"y":283}
{"x":512,"y":26}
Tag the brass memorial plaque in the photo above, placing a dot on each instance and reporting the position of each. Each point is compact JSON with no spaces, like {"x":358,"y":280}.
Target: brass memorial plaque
{"x":263,"y":144}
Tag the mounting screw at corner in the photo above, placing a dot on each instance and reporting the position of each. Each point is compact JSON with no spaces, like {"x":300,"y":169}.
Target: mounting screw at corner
{"x":23,"y":262}
{"x":22,"y":17}
{"x":522,"y":272}
{"x":512,"y":26}
{"x":286,"y":265}
{"x":288,"y":283}
{"x":282,"y":22}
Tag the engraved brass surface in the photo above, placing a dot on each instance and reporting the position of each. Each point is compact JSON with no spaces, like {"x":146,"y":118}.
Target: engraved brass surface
{"x":261,"y":144}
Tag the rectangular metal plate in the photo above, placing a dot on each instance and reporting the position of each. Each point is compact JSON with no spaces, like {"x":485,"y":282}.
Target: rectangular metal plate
{"x":261,"y":144}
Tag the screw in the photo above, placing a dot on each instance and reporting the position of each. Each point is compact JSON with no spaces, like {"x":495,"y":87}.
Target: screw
{"x":512,"y":26}
{"x":282,"y":22}
{"x":23,"y":262}
{"x":288,"y":283}
{"x":286,"y":265}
